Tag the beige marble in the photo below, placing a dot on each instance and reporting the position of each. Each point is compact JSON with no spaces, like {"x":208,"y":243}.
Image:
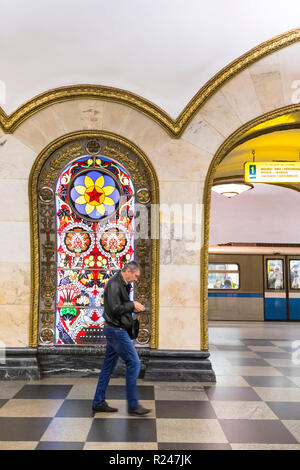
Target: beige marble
{"x":114,"y":115}
{"x":278,"y":394}
{"x":219,"y":113}
{"x":18,"y":445}
{"x":120,"y":446}
{"x":281,"y":362}
{"x":68,"y":430}
{"x":295,"y":380}
{"x":68,"y":113}
{"x":265,"y":446}
{"x":14,"y":200}
{"x":268,"y":88}
{"x":31,"y":135}
{"x":241,"y":95}
{"x":230,"y":381}
{"x":14,"y":325}
{"x":190,"y":430}
{"x":172,"y":392}
{"x":9,"y":388}
{"x":294,"y":427}
{"x":15,"y":283}
{"x":15,"y":242}
{"x":246,"y":370}
{"x":20,"y":408}
{"x":91,"y":113}
{"x":203,"y":135}
{"x":242,"y":410}
{"x":179,"y":286}
{"x":40,"y":129}
{"x":290,"y":72}
{"x":135,"y":126}
{"x":180,"y":160}
{"x":16,"y":159}
{"x":179,"y":328}
{"x":153,"y":138}
{"x":265,"y":349}
{"x":179,"y":251}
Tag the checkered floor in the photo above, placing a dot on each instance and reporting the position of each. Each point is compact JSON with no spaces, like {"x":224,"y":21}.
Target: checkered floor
{"x":253,"y":405}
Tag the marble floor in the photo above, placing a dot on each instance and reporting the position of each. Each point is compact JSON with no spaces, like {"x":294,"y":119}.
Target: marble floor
{"x":253,"y":405}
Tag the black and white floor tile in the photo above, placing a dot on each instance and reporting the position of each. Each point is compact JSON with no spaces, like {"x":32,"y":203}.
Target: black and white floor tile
{"x":253,"y":405}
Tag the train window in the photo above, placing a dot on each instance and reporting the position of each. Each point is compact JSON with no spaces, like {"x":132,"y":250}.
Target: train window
{"x":295,"y":274}
{"x":275,"y":274}
{"x":223,"y":276}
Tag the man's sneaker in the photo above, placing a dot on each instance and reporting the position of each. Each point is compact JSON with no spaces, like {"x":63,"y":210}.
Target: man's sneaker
{"x":104,"y":408}
{"x":139,"y":411}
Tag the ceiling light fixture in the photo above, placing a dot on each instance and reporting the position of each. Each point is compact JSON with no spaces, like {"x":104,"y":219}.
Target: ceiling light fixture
{"x":231,"y":189}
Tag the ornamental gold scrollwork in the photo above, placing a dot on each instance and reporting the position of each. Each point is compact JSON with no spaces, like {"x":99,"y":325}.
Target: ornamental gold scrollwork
{"x":47,"y":335}
{"x":143,"y":337}
{"x":143,"y":196}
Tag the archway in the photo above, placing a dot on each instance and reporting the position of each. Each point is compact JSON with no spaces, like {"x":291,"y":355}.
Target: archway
{"x":258,"y":127}
{"x":95,"y":150}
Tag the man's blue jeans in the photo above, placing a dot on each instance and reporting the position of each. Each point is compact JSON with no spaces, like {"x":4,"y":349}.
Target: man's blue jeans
{"x":118,"y":345}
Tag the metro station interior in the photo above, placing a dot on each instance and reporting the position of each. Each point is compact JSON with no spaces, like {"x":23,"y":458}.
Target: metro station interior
{"x":118,"y":150}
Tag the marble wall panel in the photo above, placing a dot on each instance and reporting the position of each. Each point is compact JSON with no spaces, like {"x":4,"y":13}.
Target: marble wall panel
{"x":15,"y":242}
{"x":69,"y":115}
{"x":15,"y":283}
{"x":14,"y":200}
{"x":203,"y":135}
{"x":91,"y":114}
{"x":290,"y":73}
{"x":179,"y":328}
{"x":241,"y":94}
{"x":179,"y":286}
{"x":219,"y":113}
{"x":268,"y":86}
{"x":40,"y":129}
{"x":16,"y":159}
{"x":14,"y":331}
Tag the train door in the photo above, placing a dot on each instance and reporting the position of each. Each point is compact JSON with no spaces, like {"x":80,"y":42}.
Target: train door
{"x":275,"y":297}
{"x":293,"y":268}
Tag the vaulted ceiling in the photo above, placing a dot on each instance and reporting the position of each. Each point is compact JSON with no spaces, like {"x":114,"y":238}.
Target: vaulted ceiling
{"x":163,"y":50}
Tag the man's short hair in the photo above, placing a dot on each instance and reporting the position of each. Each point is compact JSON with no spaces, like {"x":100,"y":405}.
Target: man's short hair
{"x":132,"y":266}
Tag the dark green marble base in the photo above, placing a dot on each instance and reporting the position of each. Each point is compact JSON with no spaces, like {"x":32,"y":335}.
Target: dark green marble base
{"x":86,"y":361}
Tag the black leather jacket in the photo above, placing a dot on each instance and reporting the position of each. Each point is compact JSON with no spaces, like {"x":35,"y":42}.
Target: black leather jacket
{"x":118,"y":307}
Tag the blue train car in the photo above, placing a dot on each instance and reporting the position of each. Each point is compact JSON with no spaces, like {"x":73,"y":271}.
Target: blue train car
{"x":254,"y":282}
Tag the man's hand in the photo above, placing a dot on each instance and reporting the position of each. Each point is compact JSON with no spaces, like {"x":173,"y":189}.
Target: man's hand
{"x":138,"y":307}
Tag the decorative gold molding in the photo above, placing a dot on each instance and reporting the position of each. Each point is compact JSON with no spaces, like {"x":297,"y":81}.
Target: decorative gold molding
{"x":35,"y":261}
{"x":174,"y":128}
{"x":221,"y":153}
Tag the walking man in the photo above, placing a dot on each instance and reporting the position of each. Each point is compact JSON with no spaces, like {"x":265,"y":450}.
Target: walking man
{"x":117,"y":303}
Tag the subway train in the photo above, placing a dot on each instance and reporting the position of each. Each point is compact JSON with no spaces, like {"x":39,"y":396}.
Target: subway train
{"x":254,"y":282}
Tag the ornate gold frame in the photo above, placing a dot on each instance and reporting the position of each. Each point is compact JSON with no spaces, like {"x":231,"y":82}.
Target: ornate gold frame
{"x":175,"y":127}
{"x":33,"y":199}
{"x":221,"y":153}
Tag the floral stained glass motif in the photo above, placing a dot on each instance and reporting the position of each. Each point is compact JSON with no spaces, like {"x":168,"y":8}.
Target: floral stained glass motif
{"x":95,"y":237}
{"x":94,"y":194}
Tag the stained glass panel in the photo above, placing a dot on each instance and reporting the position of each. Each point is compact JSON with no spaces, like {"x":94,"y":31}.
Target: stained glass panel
{"x":95,"y":237}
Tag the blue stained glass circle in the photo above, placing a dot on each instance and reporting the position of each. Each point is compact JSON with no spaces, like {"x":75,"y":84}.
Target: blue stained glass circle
{"x":94,"y":194}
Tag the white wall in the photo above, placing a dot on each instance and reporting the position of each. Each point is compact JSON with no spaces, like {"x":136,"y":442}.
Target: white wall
{"x":267,"y":214}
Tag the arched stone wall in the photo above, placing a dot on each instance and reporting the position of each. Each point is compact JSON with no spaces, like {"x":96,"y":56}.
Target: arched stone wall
{"x":181,"y":165}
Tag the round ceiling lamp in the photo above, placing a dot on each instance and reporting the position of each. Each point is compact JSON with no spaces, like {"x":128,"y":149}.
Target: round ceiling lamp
{"x":231,"y":189}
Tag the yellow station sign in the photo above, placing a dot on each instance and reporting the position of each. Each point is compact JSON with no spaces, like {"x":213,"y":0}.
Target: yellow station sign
{"x":272,"y":172}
